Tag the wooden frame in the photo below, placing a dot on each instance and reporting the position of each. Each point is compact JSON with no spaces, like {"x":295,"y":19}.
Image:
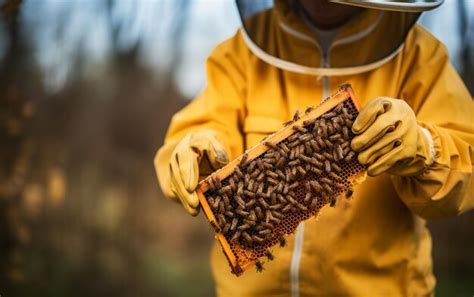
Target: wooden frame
{"x":344,"y":93}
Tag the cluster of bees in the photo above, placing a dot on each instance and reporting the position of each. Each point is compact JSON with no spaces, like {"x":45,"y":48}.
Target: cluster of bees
{"x":252,"y":202}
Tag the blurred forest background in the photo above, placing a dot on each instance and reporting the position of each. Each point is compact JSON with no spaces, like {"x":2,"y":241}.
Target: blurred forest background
{"x":87,"y":89}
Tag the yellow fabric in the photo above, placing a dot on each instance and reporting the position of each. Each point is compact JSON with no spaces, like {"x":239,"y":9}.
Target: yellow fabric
{"x":389,"y":139}
{"x":376,"y":244}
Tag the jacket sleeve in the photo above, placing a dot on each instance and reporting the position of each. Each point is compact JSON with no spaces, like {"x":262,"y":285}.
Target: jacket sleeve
{"x":219,"y":107}
{"x":445,"y":108}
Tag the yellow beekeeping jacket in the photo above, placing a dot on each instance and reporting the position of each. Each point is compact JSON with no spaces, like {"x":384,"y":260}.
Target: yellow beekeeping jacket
{"x":376,"y":244}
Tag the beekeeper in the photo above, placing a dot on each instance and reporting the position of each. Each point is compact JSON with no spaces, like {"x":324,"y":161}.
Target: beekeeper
{"x":415,"y":133}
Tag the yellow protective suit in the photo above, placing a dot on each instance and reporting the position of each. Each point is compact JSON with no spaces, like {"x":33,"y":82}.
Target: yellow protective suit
{"x":376,"y":244}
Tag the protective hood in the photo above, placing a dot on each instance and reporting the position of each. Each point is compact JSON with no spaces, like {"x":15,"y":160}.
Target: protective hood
{"x":281,"y":33}
{"x":407,"y":5}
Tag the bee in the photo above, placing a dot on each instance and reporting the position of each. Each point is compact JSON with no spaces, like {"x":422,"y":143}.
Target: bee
{"x":240,"y":201}
{"x":221,"y":207}
{"x":243,"y":160}
{"x":247,"y":237}
{"x":291,"y":199}
{"x":332,"y":203}
{"x":273,"y":197}
{"x":320,"y":142}
{"x":296,"y":116}
{"x":268,"y":216}
{"x":314,"y":145}
{"x":307,"y":197}
{"x":327,"y":166}
{"x":278,"y":215}
{"x":346,"y":113}
{"x":287,"y":208}
{"x":299,"y":129}
{"x":270,"y":145}
{"x":221,"y":218}
{"x":349,"y":156}
{"x":335,"y":157}
{"x":215,"y":206}
{"x":255,"y":173}
{"x":327,"y":156}
{"x":348,"y":122}
{"x":233,"y":225}
{"x":259,"y":213}
{"x":328,"y":143}
{"x":272,"y":174}
{"x":345,"y":132}
{"x":331,"y":129}
{"x":294,"y":162}
{"x":309,"y":109}
{"x":217,"y":182}
{"x":293,"y":185}
{"x":242,"y":212}
{"x":292,"y":145}
{"x":236,"y":236}
{"x":260,"y":177}
{"x":282,"y":241}
{"x":211,"y":185}
{"x":349,"y":193}
{"x":215,"y":226}
{"x":336,"y":167}
{"x":229,"y":213}
{"x":267,"y":165}
{"x":226,"y":229}
{"x":257,"y":238}
{"x":328,"y":189}
{"x":250,"y":203}
{"x":281,"y":198}
{"x":301,"y":170}
{"x":314,"y":203}
{"x":249,"y":194}
{"x":272,"y":181}
{"x":268,"y":225}
{"x":328,"y":115}
{"x":287,"y":123}
{"x":250,"y":168}
{"x":226,"y":200}
{"x":305,"y":137}
{"x":269,"y":255}
{"x":280,"y":163}
{"x":316,"y":185}
{"x":316,"y":170}
{"x":263,"y":203}
{"x":347,"y":150}
{"x":324,"y":129}
{"x":335,"y":137}
{"x":259,"y":266}
{"x":326,"y":180}
{"x":334,"y":175}
{"x":301,"y":207}
{"x":276,"y":206}
{"x":244,"y":226}
{"x":340,"y":152}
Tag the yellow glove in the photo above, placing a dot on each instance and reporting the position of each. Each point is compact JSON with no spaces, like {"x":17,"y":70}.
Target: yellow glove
{"x":389,"y":139}
{"x":197,"y":155}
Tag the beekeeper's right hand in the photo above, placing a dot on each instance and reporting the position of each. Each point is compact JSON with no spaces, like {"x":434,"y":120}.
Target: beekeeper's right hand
{"x":196,"y":156}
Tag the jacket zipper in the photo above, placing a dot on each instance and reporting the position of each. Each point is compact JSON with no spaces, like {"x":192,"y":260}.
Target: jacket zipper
{"x":296,"y":260}
{"x":299,"y":236}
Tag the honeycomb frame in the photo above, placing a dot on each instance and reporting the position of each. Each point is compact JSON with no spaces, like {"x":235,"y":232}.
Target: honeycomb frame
{"x":241,"y":257}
